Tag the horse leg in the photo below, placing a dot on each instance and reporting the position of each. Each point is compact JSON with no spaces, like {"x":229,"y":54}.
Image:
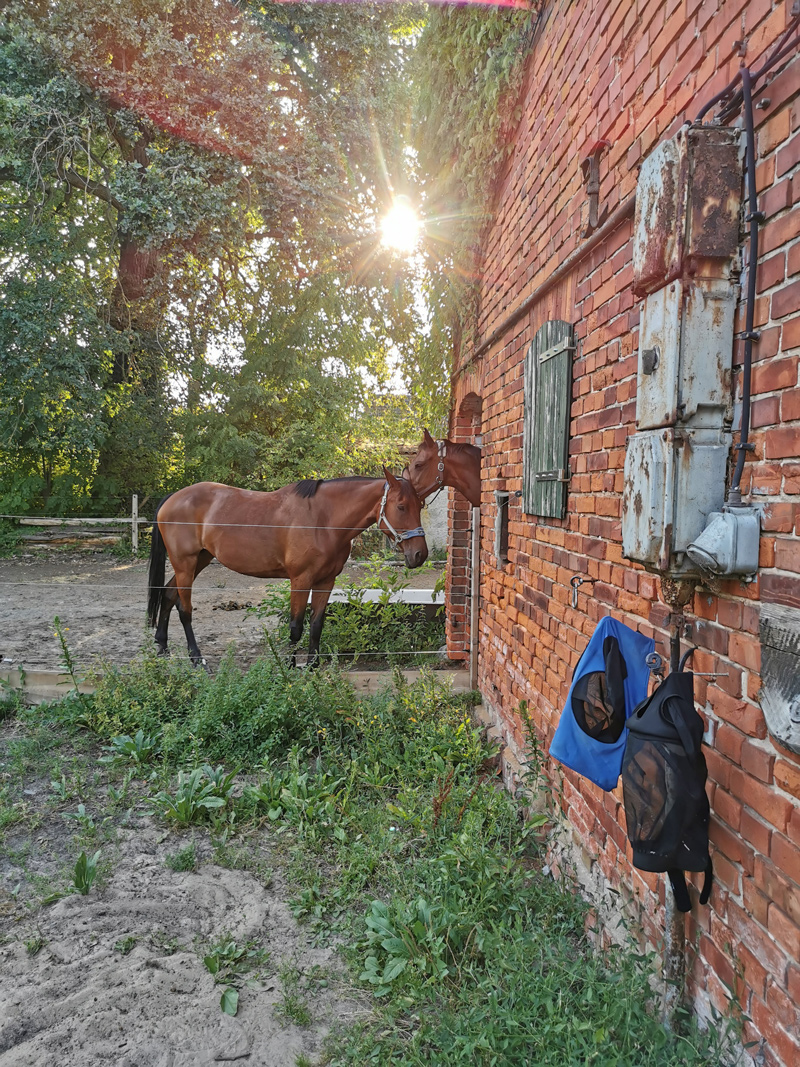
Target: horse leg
{"x":319,"y":602}
{"x":297,"y":613}
{"x":168,"y":601}
{"x":184,"y":577}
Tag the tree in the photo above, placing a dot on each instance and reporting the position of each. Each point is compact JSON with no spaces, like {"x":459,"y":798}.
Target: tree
{"x":154,"y":153}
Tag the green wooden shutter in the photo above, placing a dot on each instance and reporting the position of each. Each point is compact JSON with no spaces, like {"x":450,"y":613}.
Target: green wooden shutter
{"x":548,"y":397}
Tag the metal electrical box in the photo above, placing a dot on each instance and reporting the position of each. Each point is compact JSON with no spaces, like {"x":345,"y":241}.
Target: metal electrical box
{"x":687,"y":207}
{"x":674,"y":478}
{"x":685,"y":354}
{"x":685,"y":253}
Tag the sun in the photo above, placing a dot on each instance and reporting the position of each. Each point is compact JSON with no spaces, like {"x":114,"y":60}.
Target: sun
{"x":401,"y":226}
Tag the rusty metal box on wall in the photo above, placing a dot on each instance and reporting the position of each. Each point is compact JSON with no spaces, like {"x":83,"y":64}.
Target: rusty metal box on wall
{"x":685,"y":261}
{"x":687,"y":208}
{"x":674,"y":478}
{"x":685,"y":354}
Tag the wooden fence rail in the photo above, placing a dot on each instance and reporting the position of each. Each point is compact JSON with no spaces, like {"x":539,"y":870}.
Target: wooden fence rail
{"x":134,"y":522}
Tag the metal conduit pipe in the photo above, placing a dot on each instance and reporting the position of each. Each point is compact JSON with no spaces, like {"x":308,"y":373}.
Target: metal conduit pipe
{"x":624,"y":211}
{"x":753,"y":217}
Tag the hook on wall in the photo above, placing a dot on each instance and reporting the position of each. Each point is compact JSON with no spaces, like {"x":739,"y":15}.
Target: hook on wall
{"x":575,"y":581}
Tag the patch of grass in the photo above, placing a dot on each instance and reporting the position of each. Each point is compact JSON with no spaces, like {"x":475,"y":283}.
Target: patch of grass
{"x":164,"y":943}
{"x":235,"y":718}
{"x":11,"y":811}
{"x":183,"y":860}
{"x":35,"y":943}
{"x":293,"y":1004}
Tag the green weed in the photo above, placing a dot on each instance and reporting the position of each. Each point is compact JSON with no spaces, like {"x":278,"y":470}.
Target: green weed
{"x":139,"y":749}
{"x":293,"y":1005}
{"x":85,"y":872}
{"x":183,"y":860}
{"x":197,"y":794}
{"x":126,"y":944}
{"x":35,"y":944}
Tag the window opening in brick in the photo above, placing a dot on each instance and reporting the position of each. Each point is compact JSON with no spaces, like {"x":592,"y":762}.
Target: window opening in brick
{"x":501,"y":528}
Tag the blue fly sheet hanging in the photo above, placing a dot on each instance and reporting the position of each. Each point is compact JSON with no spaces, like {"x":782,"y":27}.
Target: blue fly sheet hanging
{"x":610,"y":679}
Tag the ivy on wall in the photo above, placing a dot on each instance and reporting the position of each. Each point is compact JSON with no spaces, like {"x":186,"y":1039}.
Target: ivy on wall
{"x":468,"y":69}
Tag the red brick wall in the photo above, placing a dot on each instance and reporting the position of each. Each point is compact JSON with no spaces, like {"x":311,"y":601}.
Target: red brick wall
{"x":633,"y":73}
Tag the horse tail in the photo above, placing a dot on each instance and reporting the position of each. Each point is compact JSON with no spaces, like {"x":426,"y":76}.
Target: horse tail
{"x":158,"y":562}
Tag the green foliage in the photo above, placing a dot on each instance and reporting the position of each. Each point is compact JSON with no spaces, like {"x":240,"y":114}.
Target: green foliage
{"x":193,"y":285}
{"x":85,"y":872}
{"x":235,"y":718}
{"x":139,"y":749}
{"x":9,"y":538}
{"x":366,"y":630}
{"x":467,"y":70}
{"x":197,"y":794}
{"x":403,"y":846}
{"x":184,"y":859}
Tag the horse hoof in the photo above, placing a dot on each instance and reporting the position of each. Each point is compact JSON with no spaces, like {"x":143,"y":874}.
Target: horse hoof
{"x":161,"y":650}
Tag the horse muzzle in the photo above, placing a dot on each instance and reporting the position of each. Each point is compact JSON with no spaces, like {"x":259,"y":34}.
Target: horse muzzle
{"x":415,"y":551}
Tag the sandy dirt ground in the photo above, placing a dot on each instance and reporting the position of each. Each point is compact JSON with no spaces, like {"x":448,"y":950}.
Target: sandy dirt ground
{"x":100,"y":600}
{"x":120,"y":977}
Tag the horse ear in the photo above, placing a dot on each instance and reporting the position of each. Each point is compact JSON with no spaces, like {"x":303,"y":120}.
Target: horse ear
{"x":390,"y":478}
{"x":427,"y":439}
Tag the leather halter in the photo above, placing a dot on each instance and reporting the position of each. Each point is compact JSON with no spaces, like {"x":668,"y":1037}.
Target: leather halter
{"x":439,"y":482}
{"x":398,"y":537}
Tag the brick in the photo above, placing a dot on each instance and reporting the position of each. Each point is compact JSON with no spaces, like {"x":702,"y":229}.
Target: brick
{"x":782,"y":443}
{"x":786,"y":857}
{"x":756,"y":832}
{"x":771,"y":272}
{"x":775,"y":374}
{"x":760,"y":798}
{"x":789,"y":406}
{"x":785,"y":931}
{"x":745,"y":650}
{"x":758,"y":761}
{"x":787,"y":776}
{"x":786,"y":301}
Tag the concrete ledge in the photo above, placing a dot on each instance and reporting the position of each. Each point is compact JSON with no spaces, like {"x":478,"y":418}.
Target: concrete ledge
{"x":38,"y":686}
{"x":426,"y":599}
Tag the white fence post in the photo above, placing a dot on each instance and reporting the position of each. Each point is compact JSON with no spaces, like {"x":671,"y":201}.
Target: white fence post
{"x":135,"y":524}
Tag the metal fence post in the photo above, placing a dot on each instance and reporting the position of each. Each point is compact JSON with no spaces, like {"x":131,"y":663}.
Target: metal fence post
{"x":135,"y":524}
{"x":474,"y":606}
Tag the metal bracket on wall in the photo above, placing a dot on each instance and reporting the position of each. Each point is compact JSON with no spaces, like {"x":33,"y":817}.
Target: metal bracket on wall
{"x":590,"y":166}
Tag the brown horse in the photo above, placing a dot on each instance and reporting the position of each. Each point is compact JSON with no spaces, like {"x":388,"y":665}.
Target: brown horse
{"x":439,"y":463}
{"x":302,"y":532}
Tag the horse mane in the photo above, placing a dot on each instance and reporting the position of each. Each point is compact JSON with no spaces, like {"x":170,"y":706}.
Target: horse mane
{"x":463,"y":446}
{"x":309,"y":486}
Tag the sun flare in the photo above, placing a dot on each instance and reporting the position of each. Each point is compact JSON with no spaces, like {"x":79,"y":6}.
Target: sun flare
{"x":401,"y":226}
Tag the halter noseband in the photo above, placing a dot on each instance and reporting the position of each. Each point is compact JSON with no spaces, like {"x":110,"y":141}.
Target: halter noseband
{"x":398,"y":537}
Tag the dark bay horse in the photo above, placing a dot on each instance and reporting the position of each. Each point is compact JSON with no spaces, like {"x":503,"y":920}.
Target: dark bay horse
{"x":302,"y":532}
{"x":439,"y":463}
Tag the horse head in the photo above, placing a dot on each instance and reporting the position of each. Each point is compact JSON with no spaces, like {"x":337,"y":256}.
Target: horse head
{"x":426,"y":467}
{"x":399,"y":516}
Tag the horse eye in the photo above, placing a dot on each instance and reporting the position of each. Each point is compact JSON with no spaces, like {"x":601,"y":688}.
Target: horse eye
{"x":401,"y":507}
